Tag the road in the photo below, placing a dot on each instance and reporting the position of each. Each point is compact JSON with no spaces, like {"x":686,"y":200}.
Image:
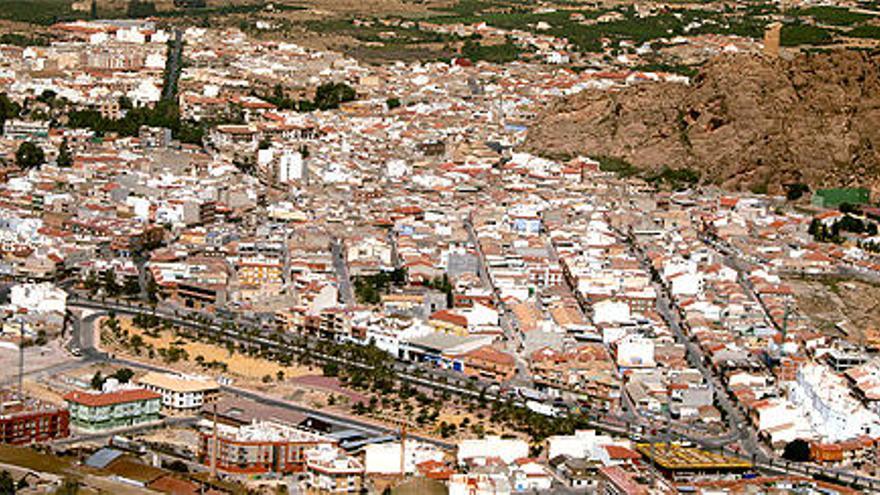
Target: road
{"x":739,"y":425}
{"x":173,"y":67}
{"x":507,"y":321}
{"x":87,"y":337}
{"x":427,"y":378}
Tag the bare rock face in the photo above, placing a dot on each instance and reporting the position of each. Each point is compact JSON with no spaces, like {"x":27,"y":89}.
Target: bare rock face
{"x":745,"y":121}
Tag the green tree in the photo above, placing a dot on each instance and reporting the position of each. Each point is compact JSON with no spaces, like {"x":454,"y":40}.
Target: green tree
{"x":64,"y":160}
{"x":152,"y":290}
{"x":29,"y":155}
{"x":8,"y":108}
{"x":97,"y":380}
{"x":392,"y":103}
{"x":331,"y":95}
{"x":796,"y":191}
{"x":7,"y":484}
{"x":124,"y":375}
{"x":110,"y":284}
{"x":797,"y":451}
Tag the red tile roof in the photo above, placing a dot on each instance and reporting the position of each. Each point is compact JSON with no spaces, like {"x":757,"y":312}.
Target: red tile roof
{"x":92,"y":399}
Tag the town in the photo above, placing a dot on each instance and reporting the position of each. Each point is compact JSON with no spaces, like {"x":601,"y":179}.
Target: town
{"x":236,"y":263}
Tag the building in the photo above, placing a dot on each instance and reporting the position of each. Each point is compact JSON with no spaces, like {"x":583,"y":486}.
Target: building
{"x":384,"y":458}
{"x":261,"y":447}
{"x":21,"y":129}
{"x":331,"y":470}
{"x":680,"y":463}
{"x":112,"y":409}
{"x":181,"y":392}
{"x":30,"y":420}
{"x":43,"y":297}
{"x":489,"y":363}
{"x":291,"y":167}
{"x":480,"y":449}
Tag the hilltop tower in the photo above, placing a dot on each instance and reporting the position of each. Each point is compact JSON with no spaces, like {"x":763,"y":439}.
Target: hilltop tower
{"x":772,"y":35}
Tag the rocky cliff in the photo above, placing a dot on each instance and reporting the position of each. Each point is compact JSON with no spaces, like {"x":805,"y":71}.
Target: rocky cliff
{"x":745,"y":122}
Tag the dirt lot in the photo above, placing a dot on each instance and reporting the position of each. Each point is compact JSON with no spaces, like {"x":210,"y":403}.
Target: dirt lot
{"x":831,"y":301}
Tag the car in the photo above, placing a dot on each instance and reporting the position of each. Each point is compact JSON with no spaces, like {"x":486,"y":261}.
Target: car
{"x":76,"y":351}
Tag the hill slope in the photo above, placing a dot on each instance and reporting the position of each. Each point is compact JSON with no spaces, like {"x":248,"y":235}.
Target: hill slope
{"x":745,"y":122}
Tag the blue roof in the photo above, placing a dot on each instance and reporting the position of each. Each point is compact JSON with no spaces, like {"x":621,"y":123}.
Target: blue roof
{"x":103,"y":457}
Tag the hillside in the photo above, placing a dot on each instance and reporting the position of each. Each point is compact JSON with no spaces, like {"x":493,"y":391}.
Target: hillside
{"x":745,"y":122}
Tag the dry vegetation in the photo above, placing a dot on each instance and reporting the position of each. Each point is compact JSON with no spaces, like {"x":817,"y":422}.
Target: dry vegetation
{"x":830,"y":302}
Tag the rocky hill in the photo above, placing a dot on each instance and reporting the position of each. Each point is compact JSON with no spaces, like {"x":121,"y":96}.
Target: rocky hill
{"x":746,"y":122}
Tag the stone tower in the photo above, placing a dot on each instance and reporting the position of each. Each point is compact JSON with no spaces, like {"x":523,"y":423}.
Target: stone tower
{"x":772,"y":35}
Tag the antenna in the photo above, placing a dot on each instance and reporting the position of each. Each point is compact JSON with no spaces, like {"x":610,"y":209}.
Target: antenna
{"x":402,"y":451}
{"x":785,"y":324}
{"x":214,"y":445}
{"x":22,"y":312}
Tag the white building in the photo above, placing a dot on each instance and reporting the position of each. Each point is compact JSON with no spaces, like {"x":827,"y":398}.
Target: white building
{"x":181,"y":392}
{"x":635,"y":351}
{"x":584,"y":444}
{"x":384,"y":458}
{"x":825,"y":399}
{"x":38,"y":298}
{"x":291,"y":166}
{"x":609,"y":311}
{"x":145,"y":94}
{"x":331,"y":470}
{"x":479,"y":449}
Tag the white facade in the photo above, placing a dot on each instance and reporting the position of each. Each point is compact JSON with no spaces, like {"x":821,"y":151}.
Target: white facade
{"x":180,"y":392}
{"x":609,"y":311}
{"x":44,"y":297}
{"x":384,"y":458}
{"x":584,"y":444}
{"x":291,"y":166}
{"x":507,"y":449}
{"x":687,"y":284}
{"x":634,"y":351}
{"x":824,"y":398}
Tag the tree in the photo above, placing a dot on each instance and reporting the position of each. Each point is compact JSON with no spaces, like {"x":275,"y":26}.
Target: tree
{"x":331,"y":369}
{"x":131,"y":287}
{"x":97,"y":380}
{"x":110,"y":284}
{"x":64,"y":159}
{"x":68,"y":487}
{"x":152,"y":290}
{"x":392,"y":103}
{"x":797,"y":451}
{"x":8,"y":108}
{"x":331,"y":95}
{"x":794,"y":192}
{"x":29,"y":156}
{"x":7,"y":484}
{"x":177,"y":466}
{"x":124,"y":375}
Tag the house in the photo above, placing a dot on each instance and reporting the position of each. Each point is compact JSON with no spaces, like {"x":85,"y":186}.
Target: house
{"x":528,"y":475}
{"x":112,"y":409}
{"x":478,"y":450}
{"x":489,"y":363}
{"x":181,"y":392}
{"x":331,"y":470}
